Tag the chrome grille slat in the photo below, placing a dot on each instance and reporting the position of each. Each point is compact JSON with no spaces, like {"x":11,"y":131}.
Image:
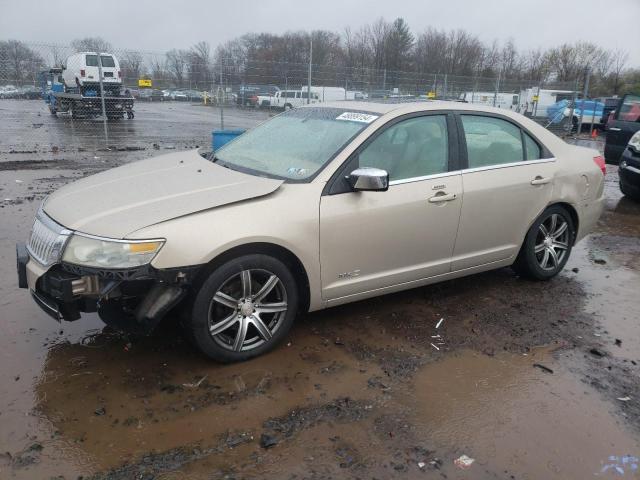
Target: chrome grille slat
{"x":47,"y":240}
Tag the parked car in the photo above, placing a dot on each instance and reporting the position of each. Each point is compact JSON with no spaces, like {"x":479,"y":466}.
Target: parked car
{"x":320,"y":206}
{"x":247,"y":95}
{"x":8,"y":91}
{"x":180,"y":95}
{"x":629,"y":169}
{"x":151,"y":95}
{"x":29,"y":92}
{"x":621,"y":128}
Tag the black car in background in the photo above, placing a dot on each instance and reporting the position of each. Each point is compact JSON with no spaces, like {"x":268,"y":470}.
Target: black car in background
{"x":629,"y":169}
{"x":621,"y":128}
{"x":248,"y":94}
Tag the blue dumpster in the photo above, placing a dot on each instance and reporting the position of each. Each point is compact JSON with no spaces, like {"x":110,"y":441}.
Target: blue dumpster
{"x":221,"y":137}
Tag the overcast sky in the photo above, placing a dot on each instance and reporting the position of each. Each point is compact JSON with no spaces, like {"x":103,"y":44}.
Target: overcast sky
{"x":159,"y":26}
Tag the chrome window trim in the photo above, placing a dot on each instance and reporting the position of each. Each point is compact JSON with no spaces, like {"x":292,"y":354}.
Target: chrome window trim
{"x":424,"y":177}
{"x":509,"y":165}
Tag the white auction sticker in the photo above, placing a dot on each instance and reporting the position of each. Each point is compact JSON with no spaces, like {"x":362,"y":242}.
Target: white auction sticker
{"x":357,"y":117}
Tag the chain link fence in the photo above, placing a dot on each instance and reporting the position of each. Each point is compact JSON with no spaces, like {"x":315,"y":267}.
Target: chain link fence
{"x":54,"y":97}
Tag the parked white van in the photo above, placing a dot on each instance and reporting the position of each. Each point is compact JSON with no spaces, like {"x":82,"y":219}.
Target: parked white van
{"x":285,"y":99}
{"x":81,"y":70}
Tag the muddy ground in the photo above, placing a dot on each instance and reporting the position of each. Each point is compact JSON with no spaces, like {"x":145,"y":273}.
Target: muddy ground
{"x":532,"y":380}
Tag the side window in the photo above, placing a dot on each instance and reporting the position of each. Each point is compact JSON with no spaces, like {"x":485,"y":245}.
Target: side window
{"x":491,"y":141}
{"x":630,"y":109}
{"x":411,"y":148}
{"x":532,"y":148}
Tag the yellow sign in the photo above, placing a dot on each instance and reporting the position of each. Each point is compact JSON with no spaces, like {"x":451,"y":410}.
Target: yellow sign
{"x":535,"y":98}
{"x":431,"y":94}
{"x":143,"y":82}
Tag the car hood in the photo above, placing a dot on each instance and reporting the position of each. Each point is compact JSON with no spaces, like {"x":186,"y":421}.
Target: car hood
{"x":119,"y":201}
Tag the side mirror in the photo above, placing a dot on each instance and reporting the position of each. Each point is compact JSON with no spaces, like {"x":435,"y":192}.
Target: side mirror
{"x":368,"y":179}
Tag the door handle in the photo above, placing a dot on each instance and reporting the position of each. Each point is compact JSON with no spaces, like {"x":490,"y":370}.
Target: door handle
{"x":614,"y":129}
{"x":540,"y":181}
{"x":442,"y":197}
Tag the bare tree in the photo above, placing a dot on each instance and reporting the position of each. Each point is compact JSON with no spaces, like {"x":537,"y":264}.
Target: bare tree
{"x":18,"y":63}
{"x":91,"y":44}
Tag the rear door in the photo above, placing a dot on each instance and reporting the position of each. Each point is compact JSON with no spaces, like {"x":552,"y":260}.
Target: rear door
{"x":507,"y":183}
{"x":620,"y":130}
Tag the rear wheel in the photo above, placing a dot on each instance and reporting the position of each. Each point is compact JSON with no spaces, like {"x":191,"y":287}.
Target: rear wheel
{"x":243,"y":309}
{"x":547,"y":246}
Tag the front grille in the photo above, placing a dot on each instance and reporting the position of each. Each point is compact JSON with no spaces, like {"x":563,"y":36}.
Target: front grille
{"x":47,"y":240}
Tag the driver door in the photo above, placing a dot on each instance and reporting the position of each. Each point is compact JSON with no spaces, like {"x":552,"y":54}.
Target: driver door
{"x":378,"y":240}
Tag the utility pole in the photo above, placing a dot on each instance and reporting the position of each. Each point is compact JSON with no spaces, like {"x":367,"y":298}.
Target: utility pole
{"x":495,"y":95}
{"x":104,"y":109}
{"x":310,"y":61}
{"x":587,"y":74}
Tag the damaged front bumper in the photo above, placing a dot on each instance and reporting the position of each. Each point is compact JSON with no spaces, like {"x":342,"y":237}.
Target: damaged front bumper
{"x":64,"y":291}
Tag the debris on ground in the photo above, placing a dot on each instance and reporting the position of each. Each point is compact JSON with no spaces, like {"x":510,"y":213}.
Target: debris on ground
{"x":543,"y":367}
{"x":597,"y":352}
{"x":439,"y":323}
{"x":464,"y":462}
{"x":624,"y":399}
{"x":599,"y":261}
{"x":618,"y":342}
{"x":196,"y":384}
{"x":268,"y":441}
{"x":100,"y":411}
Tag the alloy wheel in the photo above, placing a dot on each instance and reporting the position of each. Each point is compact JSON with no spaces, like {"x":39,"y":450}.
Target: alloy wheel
{"x":247,"y":310}
{"x":552,"y":242}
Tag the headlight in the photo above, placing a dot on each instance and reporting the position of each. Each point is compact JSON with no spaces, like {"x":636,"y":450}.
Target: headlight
{"x":635,"y":141}
{"x":104,"y":253}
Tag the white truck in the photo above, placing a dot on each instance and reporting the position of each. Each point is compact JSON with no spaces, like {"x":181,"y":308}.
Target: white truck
{"x":286,"y":99}
{"x":75,"y":88}
{"x":501,"y":99}
{"x":331,"y":94}
{"x":534,"y":101}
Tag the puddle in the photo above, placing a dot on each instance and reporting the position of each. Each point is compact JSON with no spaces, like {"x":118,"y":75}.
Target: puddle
{"x":515,"y":418}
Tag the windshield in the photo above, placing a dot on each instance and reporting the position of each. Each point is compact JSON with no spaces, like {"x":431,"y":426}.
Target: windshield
{"x":297,"y":144}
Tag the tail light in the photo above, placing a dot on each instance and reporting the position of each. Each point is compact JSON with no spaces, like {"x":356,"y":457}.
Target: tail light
{"x":253,"y":98}
{"x":82,"y":73}
{"x":599,"y":160}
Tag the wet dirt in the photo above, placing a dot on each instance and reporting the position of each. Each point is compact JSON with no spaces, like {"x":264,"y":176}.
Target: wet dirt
{"x":524,"y":377}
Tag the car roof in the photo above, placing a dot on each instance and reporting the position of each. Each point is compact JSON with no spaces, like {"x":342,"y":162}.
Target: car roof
{"x":401,"y":107}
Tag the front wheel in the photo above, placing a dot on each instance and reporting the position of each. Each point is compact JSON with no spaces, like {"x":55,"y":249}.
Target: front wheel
{"x":243,"y":309}
{"x":627,"y":192}
{"x":547,"y":246}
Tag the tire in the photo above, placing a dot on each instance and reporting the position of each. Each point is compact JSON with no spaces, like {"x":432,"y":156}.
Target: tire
{"x":536,"y":260}
{"x":287,"y":106}
{"x":628,"y":193}
{"x":220,"y":302}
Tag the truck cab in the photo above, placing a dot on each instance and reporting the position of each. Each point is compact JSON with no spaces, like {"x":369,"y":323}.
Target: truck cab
{"x":82,"y":73}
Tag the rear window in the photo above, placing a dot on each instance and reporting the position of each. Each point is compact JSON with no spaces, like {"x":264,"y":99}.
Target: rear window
{"x":630,"y":109}
{"x":107,"y":61}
